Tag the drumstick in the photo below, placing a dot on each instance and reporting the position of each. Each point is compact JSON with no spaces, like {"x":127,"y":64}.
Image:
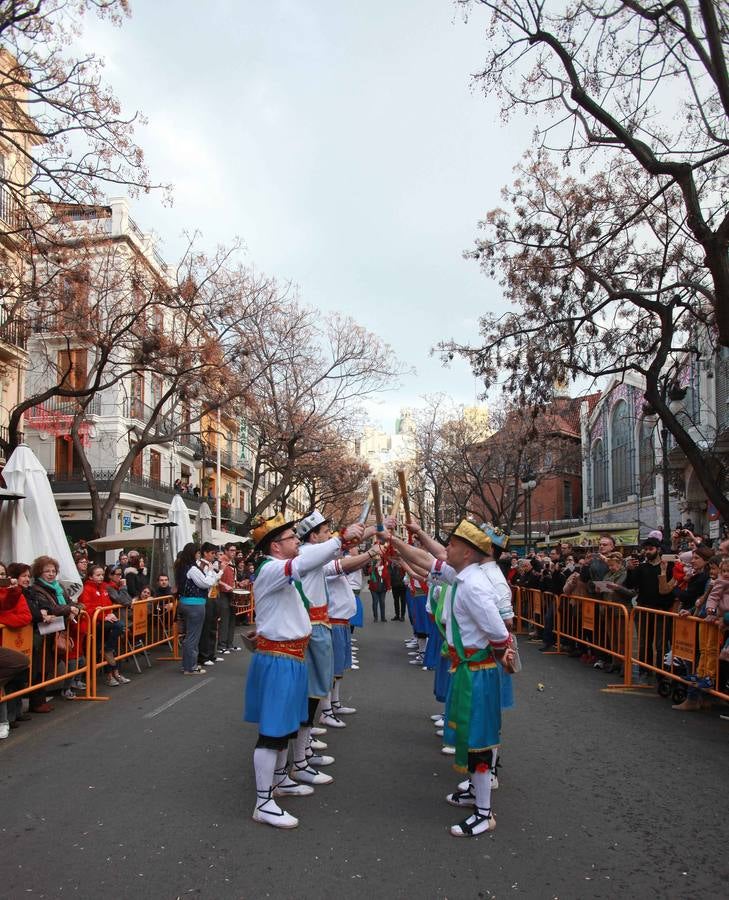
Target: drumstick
{"x":365,"y":512}
{"x":404,"y":495}
{"x":395,"y":503}
{"x":377,"y":504}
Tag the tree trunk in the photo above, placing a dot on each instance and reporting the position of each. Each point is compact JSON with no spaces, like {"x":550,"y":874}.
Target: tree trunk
{"x":705,"y":472}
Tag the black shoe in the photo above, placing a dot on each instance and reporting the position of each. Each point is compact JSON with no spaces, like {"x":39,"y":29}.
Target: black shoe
{"x":547,"y":648}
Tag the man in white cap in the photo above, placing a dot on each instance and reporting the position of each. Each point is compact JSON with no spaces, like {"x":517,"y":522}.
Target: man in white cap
{"x":314,"y":531}
{"x":342,"y":606}
{"x":277,"y":683}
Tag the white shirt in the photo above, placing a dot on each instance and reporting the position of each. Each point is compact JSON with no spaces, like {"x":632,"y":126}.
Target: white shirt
{"x":492,"y":570}
{"x":355,"y":579}
{"x":201,"y":579}
{"x":474,"y":607}
{"x":342,"y":604}
{"x":280,"y":611}
{"x":313,"y":580}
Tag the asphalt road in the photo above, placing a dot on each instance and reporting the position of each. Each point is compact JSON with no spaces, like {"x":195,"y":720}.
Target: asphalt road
{"x":150,"y":794}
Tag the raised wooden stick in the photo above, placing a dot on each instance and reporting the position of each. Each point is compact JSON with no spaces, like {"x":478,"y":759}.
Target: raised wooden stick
{"x":377,"y":503}
{"x":395,"y":503}
{"x":366,"y":506}
{"x":404,"y":494}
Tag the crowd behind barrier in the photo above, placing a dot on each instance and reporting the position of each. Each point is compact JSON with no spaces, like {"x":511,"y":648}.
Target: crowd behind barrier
{"x":642,"y":642}
{"x":657,"y":613}
{"x":75,"y":646}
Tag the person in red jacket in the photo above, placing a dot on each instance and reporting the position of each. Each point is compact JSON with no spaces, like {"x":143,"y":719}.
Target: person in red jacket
{"x":378,"y":582}
{"x":95,"y":596}
{"x":14,"y":666}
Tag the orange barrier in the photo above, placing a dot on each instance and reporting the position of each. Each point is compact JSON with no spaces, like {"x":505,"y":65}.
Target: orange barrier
{"x":54,"y":658}
{"x":149,"y":624}
{"x":670,"y":646}
{"x":597,"y":624}
{"x":532,"y":607}
{"x":649,"y":639}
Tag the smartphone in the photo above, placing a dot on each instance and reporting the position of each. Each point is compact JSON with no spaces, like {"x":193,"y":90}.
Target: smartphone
{"x":5,"y":582}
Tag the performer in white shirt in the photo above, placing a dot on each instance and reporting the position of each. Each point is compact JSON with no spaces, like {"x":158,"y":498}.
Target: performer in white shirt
{"x":342,"y":606}
{"x":277,"y":684}
{"x":476,"y":637}
{"x":315,"y":531}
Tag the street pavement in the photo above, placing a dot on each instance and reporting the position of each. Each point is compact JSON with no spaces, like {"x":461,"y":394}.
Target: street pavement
{"x":150,"y":794}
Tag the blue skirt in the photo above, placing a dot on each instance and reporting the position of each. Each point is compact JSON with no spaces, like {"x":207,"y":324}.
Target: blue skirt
{"x":358,"y":618}
{"x":320,"y":661}
{"x":276,"y":694}
{"x":410,"y":603}
{"x":442,"y":678}
{"x":507,"y":689}
{"x":341,"y":649}
{"x":484,"y":728}
{"x":432,"y":648}
{"x":422,"y":620}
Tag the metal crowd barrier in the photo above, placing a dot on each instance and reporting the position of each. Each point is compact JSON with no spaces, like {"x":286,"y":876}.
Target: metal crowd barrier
{"x":149,"y":624}
{"x":53,"y":660}
{"x":654,"y":642}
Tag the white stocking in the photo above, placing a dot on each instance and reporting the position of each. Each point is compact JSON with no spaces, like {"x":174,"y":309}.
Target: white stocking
{"x":264,"y":762}
{"x":301,"y":742}
{"x":481,"y":782}
{"x":335,"y":692}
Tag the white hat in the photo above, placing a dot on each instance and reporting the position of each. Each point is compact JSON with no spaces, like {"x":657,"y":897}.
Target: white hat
{"x":312,"y":521}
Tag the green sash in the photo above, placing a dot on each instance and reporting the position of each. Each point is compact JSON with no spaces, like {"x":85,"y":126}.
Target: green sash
{"x":440,"y":590}
{"x":462,"y":689}
{"x":296,"y":583}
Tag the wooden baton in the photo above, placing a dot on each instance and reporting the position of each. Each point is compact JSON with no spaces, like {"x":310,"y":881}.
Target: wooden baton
{"x":377,"y":503}
{"x":404,"y":495}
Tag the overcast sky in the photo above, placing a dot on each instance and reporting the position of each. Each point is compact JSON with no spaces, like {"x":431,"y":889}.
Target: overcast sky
{"x":342,"y":142}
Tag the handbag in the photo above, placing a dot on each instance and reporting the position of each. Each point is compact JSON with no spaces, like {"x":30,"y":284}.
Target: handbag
{"x":64,"y":642}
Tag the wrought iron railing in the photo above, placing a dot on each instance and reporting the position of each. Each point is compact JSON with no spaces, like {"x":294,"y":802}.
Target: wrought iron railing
{"x":14,"y":330}
{"x":66,"y":406}
{"x":9,"y":209}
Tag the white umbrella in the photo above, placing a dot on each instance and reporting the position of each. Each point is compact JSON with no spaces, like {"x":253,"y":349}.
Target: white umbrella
{"x":143,"y":536}
{"x":204,"y":524}
{"x":180,"y":515}
{"x":14,"y":533}
{"x":24,"y":474}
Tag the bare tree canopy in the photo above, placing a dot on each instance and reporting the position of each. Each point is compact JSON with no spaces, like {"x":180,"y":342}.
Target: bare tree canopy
{"x":644,"y":81}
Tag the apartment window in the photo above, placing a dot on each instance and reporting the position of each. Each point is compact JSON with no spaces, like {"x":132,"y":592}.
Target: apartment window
{"x":567,"y":499}
{"x":599,"y":473}
{"x":156,"y":389}
{"x":647,"y":458}
{"x":155,"y":466}
{"x":622,"y":452}
{"x":138,"y":466}
{"x":72,"y":369}
{"x":137,"y":405}
{"x":67,"y":462}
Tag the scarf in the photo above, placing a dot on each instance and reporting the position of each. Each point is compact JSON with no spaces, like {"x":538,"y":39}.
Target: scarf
{"x":56,"y":587}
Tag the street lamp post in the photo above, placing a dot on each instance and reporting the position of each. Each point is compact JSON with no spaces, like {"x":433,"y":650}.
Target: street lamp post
{"x":528,"y":486}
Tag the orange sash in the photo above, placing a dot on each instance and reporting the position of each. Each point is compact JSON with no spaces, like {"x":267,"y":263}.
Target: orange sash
{"x":295,"y":648}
